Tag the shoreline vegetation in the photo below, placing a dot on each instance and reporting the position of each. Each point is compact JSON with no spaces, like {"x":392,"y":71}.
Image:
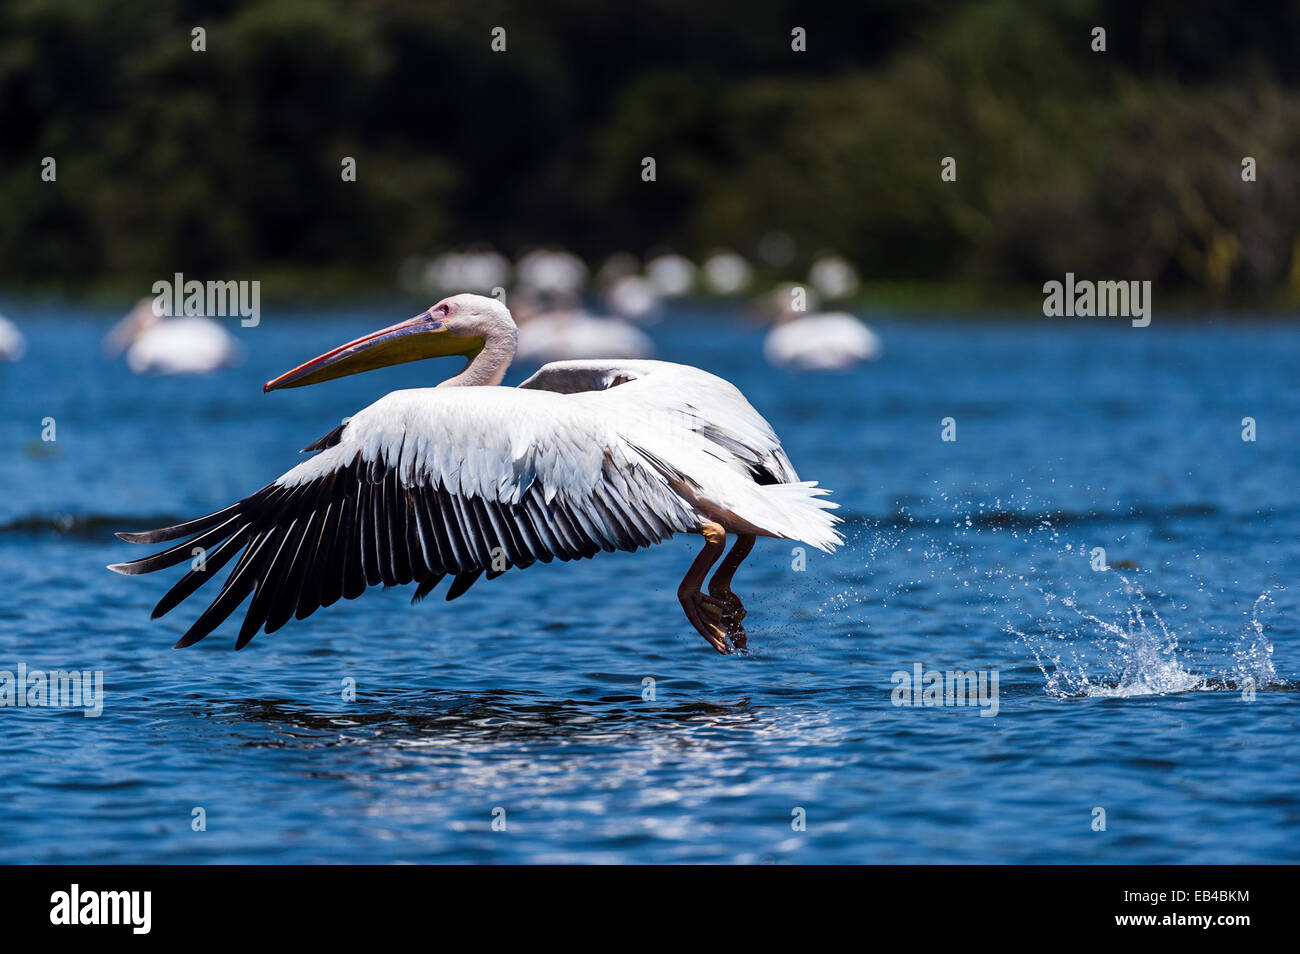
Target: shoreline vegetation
{"x":958,"y":155}
{"x":965,"y":301}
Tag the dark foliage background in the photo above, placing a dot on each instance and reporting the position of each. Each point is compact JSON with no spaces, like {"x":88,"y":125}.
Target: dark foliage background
{"x":1124,"y":164}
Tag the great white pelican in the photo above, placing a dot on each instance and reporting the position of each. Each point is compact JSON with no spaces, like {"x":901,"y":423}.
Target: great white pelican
{"x":469,"y":478}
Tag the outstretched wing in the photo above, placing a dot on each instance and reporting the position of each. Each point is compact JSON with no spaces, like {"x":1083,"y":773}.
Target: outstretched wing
{"x":420,"y":485}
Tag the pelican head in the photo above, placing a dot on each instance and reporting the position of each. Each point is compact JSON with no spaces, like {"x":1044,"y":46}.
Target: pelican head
{"x":463,"y":325}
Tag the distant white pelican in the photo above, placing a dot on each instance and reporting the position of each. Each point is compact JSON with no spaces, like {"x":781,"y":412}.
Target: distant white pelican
{"x":571,"y":333}
{"x":557,"y":328}
{"x":468,"y":478}
{"x":552,"y":272}
{"x":616,"y":266}
{"x":479,"y":270}
{"x":829,"y":341}
{"x":160,"y":344}
{"x":634,"y":298}
{"x":12,"y":344}
{"x":822,"y":341}
{"x":727,"y":273}
{"x":833,"y":277}
{"x":672,"y":275}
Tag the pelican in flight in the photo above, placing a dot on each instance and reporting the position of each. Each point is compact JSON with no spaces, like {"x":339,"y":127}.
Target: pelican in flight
{"x":161,"y":344}
{"x":469,"y":478}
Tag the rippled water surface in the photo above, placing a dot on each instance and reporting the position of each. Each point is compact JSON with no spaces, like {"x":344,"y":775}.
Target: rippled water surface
{"x":1161,"y":690}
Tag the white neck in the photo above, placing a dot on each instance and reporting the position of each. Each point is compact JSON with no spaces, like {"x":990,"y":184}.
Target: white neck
{"x":488,"y":367}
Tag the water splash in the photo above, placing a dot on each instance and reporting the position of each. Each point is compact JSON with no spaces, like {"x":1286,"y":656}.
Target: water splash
{"x":1014,"y":564}
{"x":1137,"y":654}
{"x":1254,"y":653}
{"x":1085,"y":655}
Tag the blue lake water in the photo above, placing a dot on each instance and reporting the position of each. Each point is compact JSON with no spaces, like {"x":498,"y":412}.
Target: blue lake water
{"x":1127,"y":689}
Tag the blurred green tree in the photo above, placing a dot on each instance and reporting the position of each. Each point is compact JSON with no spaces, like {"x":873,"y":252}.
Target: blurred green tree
{"x":1117,"y":164}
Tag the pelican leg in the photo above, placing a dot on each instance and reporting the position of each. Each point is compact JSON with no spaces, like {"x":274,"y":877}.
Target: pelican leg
{"x":720,"y":588}
{"x":704,"y":611}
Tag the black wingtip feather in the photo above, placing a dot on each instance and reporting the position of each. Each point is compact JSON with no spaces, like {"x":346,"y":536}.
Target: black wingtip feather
{"x":189,"y":639}
{"x":426,"y":587}
{"x":462,"y":583}
{"x":140,"y":536}
{"x":189,"y":528}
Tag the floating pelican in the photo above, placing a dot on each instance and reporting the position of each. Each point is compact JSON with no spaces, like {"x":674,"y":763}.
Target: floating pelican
{"x":12,"y":344}
{"x":468,"y":478}
{"x":160,"y":344}
{"x":833,"y":277}
{"x":480,"y":270}
{"x":556,"y":328}
{"x":727,"y":273}
{"x":823,"y":341}
{"x":634,"y":298}
{"x":552,"y":272}
{"x":672,"y":275}
{"x":572,"y":334}
{"x":616,"y":266}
